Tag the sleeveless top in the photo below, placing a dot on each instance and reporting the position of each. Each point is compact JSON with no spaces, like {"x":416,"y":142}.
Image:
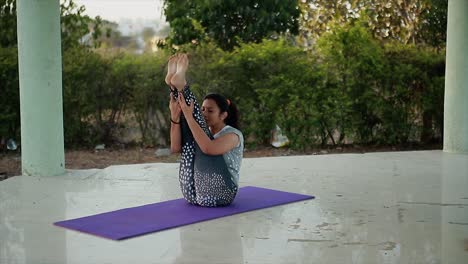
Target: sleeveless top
{"x":233,"y":158}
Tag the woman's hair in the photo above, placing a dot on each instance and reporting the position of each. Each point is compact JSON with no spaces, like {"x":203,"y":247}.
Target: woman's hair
{"x":225,"y":105}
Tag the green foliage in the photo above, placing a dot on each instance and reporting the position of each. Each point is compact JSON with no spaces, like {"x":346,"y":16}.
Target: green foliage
{"x":229,"y":21}
{"x":249,"y":71}
{"x":129,"y":89}
{"x":262,"y":78}
{"x":149,"y":95}
{"x":382,"y":92}
{"x":353,"y":62}
{"x":412,"y":92}
{"x":9,"y":93}
{"x":7,"y":23}
{"x":74,"y":24}
{"x":203,"y":74}
{"x":183,"y":26}
{"x":351,"y":87}
{"x":409,"y":21}
{"x":434,"y":23}
{"x":84,"y":97}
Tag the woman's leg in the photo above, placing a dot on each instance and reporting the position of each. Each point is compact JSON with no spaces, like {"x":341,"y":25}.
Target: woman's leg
{"x":175,"y":78}
{"x":204,"y":179}
{"x":188,"y":154}
{"x":214,"y":184}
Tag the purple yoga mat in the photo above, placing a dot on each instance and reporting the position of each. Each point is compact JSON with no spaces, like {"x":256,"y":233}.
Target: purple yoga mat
{"x":136,"y":221}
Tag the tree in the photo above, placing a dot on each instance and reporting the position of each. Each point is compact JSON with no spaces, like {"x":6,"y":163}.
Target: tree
{"x":9,"y":93}
{"x":317,"y":16}
{"x":230,"y":21}
{"x":353,"y":60}
{"x":7,"y":23}
{"x":434,"y":29}
{"x":75,"y":24}
{"x":409,"y":21}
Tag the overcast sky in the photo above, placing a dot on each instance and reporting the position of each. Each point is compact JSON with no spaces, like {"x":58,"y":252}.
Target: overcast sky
{"x":115,"y":10}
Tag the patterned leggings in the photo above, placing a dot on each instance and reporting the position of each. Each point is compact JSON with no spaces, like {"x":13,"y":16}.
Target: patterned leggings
{"x":204,"y":179}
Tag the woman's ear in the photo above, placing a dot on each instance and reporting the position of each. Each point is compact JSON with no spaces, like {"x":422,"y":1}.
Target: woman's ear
{"x":224,"y":115}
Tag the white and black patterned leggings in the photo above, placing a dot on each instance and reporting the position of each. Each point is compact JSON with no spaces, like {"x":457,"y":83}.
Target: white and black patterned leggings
{"x":204,"y":179}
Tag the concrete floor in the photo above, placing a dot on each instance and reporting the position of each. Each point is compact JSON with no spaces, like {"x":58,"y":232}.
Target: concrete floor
{"x":395,"y":207}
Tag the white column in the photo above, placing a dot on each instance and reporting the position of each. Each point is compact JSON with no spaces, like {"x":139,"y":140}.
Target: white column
{"x":40,"y":74}
{"x":456,"y":79}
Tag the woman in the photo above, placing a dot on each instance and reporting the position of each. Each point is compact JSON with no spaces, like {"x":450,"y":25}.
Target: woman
{"x":211,"y":145}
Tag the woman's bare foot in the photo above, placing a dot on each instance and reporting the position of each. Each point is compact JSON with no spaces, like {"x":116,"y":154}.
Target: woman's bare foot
{"x":178,"y":79}
{"x":171,"y":68}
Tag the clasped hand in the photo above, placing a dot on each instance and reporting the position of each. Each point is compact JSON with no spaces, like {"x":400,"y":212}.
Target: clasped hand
{"x":179,"y":105}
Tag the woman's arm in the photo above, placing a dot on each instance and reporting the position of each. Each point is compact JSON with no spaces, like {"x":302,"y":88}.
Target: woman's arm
{"x":176,"y":137}
{"x":216,"y":146}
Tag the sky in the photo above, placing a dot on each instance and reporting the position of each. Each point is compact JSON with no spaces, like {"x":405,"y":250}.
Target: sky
{"x":116,"y":10}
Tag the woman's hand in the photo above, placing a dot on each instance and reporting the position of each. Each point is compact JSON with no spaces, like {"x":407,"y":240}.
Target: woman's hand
{"x":174,"y":107}
{"x":187,"y":109}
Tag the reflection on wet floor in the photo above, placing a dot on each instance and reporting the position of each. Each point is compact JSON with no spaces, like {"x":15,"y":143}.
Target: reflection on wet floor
{"x":393,"y":207}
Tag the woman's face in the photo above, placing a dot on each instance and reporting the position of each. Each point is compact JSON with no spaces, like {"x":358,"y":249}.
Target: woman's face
{"x":212,"y":113}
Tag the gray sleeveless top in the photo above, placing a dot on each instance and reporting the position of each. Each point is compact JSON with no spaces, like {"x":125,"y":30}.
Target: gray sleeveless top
{"x":233,"y":157}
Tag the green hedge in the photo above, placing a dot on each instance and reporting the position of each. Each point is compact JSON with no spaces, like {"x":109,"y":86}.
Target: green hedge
{"x":9,"y":94}
{"x":105,"y":92}
{"x":350,"y":88}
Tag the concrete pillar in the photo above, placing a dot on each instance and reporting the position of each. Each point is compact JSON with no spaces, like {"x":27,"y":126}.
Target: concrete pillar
{"x":40,"y":74}
{"x":456,"y":79}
